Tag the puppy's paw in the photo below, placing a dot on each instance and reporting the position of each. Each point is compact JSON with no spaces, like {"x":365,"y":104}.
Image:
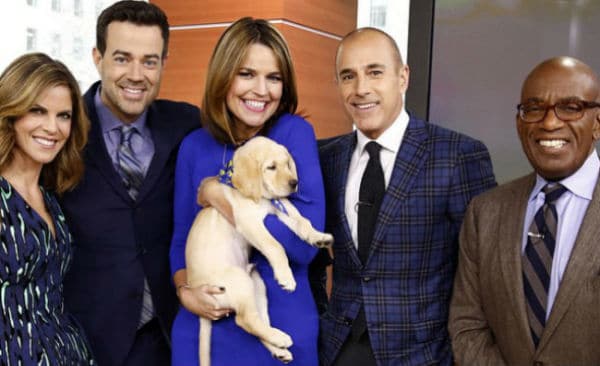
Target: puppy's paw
{"x":320,"y":240}
{"x":283,"y":355}
{"x":279,"y":339}
{"x":286,"y":280}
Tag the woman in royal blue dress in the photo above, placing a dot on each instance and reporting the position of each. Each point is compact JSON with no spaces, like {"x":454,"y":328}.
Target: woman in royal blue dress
{"x":43,"y":129}
{"x":250,"y":90}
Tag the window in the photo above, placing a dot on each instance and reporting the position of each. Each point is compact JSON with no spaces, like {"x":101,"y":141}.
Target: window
{"x":31,"y":39}
{"x":56,"y":5}
{"x":78,"y":7}
{"x":378,"y":15}
{"x":56,"y":45}
{"x":99,"y":7}
{"x":78,"y":48}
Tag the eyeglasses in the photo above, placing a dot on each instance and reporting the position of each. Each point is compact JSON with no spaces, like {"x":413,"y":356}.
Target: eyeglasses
{"x":565,"y":110}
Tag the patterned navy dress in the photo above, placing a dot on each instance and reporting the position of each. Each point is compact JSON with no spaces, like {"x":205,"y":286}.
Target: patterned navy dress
{"x":34,"y":328}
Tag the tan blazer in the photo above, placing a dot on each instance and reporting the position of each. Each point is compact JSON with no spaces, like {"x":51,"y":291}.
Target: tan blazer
{"x":488,"y":321}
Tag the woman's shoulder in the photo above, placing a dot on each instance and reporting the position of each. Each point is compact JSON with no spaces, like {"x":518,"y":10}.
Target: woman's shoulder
{"x":199,"y":139}
{"x":291,"y":125}
{"x":292,"y":120}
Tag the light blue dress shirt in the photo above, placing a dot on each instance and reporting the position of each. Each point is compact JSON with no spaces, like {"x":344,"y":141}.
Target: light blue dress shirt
{"x":571,"y":208}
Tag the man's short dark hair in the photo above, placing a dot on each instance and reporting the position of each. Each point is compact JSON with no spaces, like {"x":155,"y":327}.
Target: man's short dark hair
{"x":132,"y":11}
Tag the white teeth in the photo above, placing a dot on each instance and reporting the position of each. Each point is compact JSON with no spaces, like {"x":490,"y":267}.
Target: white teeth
{"x":255,"y":104}
{"x":552,"y":143}
{"x":133,"y":91}
{"x":45,"y":142}
{"x":365,"y":106}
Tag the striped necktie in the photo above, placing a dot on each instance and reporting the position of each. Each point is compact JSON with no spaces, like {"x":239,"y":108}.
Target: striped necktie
{"x":537,"y":260}
{"x":132,"y":174}
{"x":130,"y":168}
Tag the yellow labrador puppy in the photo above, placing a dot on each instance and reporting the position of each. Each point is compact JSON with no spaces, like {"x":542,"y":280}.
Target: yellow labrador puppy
{"x":217,"y":253}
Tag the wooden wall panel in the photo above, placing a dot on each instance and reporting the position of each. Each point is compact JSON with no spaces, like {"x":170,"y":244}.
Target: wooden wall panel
{"x":332,"y":16}
{"x":314,"y":57}
{"x":185,"y":73}
{"x":313,"y":52}
{"x":186,"y":12}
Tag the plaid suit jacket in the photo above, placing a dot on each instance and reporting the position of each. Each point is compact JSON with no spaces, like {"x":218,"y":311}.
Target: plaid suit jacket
{"x":406,"y":283}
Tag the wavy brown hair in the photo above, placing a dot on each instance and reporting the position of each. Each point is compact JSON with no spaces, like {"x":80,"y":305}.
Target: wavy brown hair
{"x":226,"y":60}
{"x":21,"y":84}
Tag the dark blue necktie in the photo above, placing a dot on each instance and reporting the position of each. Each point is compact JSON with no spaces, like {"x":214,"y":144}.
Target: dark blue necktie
{"x":537,"y":260}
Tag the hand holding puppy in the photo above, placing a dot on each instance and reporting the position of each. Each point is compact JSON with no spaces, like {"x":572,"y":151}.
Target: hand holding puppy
{"x":201,"y":301}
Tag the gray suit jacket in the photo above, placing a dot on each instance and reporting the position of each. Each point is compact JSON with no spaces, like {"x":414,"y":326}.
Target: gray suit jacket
{"x":488,"y":321}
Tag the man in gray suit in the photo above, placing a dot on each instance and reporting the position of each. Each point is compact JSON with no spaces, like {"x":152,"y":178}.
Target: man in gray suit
{"x":527,"y":290}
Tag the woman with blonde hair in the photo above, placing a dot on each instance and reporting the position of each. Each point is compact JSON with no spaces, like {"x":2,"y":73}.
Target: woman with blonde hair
{"x":250,"y":90}
{"x":43,"y":129}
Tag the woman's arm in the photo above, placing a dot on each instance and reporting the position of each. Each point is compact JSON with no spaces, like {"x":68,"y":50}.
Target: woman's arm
{"x":199,"y":300}
{"x":211,"y":193}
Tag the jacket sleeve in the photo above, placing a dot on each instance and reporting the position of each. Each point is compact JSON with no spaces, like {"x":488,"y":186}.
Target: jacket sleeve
{"x":472,"y":339}
{"x":473,"y":174}
{"x":184,"y":205}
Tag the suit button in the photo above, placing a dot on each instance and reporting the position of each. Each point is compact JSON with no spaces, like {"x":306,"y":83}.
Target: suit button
{"x":348,"y":321}
{"x":367,"y":279}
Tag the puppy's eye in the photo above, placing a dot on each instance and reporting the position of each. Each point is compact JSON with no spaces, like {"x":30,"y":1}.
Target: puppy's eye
{"x":271,"y":167}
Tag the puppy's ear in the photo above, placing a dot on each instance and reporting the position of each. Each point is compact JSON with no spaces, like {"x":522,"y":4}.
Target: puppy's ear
{"x":247,"y":175}
{"x":292,"y":164}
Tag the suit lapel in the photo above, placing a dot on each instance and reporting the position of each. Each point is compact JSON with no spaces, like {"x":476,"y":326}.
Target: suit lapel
{"x":95,"y":150}
{"x":512,"y":215}
{"x":340,"y":164}
{"x":409,"y":161}
{"x":163,"y":138}
{"x":585,"y":259}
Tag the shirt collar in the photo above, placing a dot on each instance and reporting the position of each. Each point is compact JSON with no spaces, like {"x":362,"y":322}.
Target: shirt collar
{"x":389,"y":138}
{"x":581,"y":183}
{"x":109,"y":122}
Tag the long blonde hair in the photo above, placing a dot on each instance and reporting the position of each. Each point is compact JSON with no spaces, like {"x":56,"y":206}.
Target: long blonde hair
{"x":21,"y":84}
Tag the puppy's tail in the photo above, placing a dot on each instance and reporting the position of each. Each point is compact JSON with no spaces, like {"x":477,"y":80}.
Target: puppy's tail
{"x":204,"y":342}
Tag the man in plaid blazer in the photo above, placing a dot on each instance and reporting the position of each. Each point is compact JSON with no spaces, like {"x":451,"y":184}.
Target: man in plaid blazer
{"x":404,"y":286}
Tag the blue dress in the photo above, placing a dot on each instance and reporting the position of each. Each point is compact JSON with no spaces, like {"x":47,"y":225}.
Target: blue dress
{"x":34,"y":328}
{"x":295,"y":313}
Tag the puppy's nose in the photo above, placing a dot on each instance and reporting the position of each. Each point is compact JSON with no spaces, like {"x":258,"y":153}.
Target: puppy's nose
{"x":293,"y":183}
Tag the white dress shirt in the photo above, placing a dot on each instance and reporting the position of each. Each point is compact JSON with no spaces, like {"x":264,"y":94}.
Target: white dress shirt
{"x":390,"y":141}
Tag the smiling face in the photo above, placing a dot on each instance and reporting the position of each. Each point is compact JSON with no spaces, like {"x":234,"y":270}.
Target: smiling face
{"x":371,"y":81}
{"x":256,"y":90}
{"x":557,"y":149}
{"x":43,"y":131}
{"x":130,"y":69}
